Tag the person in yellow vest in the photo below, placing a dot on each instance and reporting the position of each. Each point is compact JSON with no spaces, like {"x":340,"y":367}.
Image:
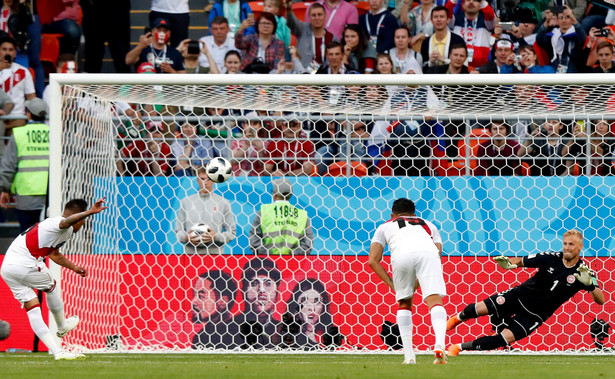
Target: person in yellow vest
{"x":280,"y":228}
{"x":24,"y":170}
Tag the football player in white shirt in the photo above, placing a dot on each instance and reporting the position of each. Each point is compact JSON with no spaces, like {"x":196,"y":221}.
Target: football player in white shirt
{"x":24,"y":270}
{"x":416,"y":250}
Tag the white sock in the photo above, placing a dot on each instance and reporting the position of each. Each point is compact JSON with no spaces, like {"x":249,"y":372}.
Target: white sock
{"x":56,"y":306}
{"x":41,"y":330}
{"x":404,"y":321}
{"x":438,"y":322}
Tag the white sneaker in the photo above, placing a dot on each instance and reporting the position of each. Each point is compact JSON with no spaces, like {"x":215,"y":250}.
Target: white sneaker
{"x":67,"y":356}
{"x":409,"y":361}
{"x":69,"y":324}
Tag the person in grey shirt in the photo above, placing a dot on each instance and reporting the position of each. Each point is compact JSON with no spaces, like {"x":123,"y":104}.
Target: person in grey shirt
{"x":205,"y":207}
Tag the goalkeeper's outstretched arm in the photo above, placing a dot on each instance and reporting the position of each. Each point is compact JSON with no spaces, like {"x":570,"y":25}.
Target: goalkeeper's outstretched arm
{"x":508,"y":263}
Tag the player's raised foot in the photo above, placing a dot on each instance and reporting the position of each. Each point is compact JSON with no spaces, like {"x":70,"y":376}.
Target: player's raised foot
{"x":440,"y":356}
{"x":68,"y":356}
{"x":452,"y":322}
{"x":69,"y":324}
{"x":454,"y":350}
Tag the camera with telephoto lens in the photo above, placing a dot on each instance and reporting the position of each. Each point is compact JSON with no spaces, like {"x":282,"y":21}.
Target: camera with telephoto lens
{"x":194,"y":47}
{"x":599,"y":331}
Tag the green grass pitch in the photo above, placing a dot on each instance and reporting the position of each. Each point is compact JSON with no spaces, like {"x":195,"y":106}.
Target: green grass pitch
{"x":150,"y":366}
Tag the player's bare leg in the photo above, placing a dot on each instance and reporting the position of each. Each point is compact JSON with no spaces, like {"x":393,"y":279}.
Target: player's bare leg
{"x":438,"y":323}
{"x":404,"y":322}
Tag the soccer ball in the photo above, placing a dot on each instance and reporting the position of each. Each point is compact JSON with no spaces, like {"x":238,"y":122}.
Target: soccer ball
{"x":219,"y":170}
{"x":198,"y":229}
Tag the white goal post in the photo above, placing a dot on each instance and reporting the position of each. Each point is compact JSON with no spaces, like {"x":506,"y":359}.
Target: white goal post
{"x":145,"y":293}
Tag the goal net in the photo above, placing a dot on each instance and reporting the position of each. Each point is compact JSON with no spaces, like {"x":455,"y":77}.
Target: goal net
{"x":500,"y":164}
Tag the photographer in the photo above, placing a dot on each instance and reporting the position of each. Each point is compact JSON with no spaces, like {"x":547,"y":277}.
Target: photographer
{"x":598,"y":52}
{"x":526,"y":63}
{"x":564,"y":42}
{"x":16,"y":82}
{"x":191,"y":50}
{"x":153,"y":48}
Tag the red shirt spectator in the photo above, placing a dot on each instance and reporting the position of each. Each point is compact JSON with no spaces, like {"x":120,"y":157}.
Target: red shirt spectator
{"x":292,"y":154}
{"x":148,"y":157}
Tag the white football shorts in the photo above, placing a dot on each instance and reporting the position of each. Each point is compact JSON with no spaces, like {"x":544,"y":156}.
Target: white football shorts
{"x":23,"y":280}
{"x":424,"y":266}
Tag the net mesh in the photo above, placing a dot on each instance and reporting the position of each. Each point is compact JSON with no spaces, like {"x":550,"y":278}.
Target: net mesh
{"x":145,"y":291}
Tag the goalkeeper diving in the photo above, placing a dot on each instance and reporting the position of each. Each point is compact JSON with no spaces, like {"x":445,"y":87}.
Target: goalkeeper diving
{"x":522,"y":309}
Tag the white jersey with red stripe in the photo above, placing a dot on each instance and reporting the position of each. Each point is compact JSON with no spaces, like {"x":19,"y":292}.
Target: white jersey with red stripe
{"x":407,"y":235}
{"x":36,"y":243}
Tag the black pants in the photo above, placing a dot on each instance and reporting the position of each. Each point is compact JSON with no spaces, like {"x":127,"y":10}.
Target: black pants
{"x":97,"y":16}
{"x":27,"y":218}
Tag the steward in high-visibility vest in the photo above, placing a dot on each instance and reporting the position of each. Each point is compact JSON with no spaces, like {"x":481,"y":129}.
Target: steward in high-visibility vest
{"x":281,"y":228}
{"x":25,"y":166}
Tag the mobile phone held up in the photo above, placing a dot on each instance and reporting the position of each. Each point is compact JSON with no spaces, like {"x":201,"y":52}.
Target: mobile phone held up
{"x":8,"y":58}
{"x":287,"y":57}
{"x":194,"y":47}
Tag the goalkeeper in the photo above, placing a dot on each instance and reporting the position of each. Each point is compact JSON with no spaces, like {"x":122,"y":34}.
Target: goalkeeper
{"x":525,"y":307}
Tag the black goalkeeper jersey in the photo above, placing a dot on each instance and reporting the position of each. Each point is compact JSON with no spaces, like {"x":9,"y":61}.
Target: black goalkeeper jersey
{"x":551,"y":286}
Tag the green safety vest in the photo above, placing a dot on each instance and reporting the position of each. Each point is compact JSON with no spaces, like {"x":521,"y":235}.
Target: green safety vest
{"x":282,"y":225}
{"x":32,"y":141}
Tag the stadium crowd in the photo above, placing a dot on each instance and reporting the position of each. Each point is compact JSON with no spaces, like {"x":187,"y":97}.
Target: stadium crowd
{"x":334,"y":37}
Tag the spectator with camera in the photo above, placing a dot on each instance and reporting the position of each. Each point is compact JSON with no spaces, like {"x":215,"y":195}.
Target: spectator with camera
{"x":545,"y":149}
{"x":312,"y":37}
{"x":504,"y":55}
{"x":596,"y":53}
{"x":564,"y":42}
{"x":190,"y":51}
{"x":526,"y":62}
{"x":154,"y":49}
{"x":218,"y":43}
{"x":261,"y":51}
{"x":16,"y":81}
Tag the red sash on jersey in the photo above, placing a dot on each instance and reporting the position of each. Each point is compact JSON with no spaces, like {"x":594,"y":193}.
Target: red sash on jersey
{"x":14,"y":79}
{"x":32,"y":244}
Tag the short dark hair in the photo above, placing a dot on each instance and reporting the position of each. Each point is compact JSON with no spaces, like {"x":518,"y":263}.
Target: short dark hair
{"x":259,"y":266}
{"x":333,"y":45}
{"x":219,"y":20}
{"x":316,"y":6}
{"x":9,"y":40}
{"x":36,"y":118}
{"x":76,"y":205}
{"x":269,"y":17}
{"x":222,"y":284}
{"x":403,"y":206}
{"x":459,"y":46}
{"x":440,"y":8}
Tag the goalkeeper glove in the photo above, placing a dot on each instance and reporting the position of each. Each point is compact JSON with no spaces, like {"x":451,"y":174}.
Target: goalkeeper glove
{"x":586,"y":276}
{"x":504,"y":262}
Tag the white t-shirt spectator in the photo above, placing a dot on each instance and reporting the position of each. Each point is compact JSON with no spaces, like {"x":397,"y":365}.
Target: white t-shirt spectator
{"x":170,"y":6}
{"x":17,"y":82}
{"x":218,"y":52}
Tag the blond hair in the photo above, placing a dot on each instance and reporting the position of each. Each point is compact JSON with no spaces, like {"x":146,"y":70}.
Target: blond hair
{"x":574,"y":232}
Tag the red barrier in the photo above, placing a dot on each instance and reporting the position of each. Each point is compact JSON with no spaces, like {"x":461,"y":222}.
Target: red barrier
{"x":147,"y":299}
